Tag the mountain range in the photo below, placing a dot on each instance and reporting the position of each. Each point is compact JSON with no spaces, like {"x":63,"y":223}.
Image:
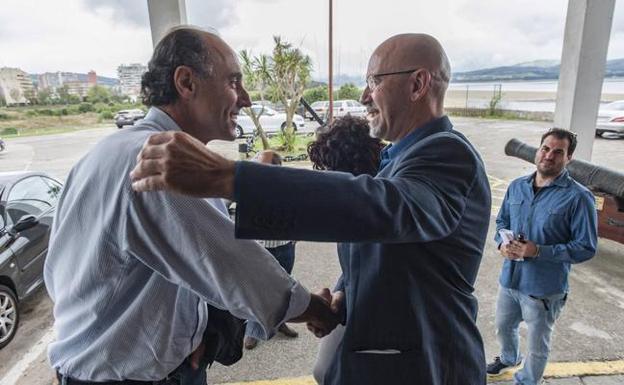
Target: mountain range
{"x":535,"y":70}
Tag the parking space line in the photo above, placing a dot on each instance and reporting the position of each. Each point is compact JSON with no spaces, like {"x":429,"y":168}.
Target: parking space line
{"x":574,"y":369}
{"x":307,"y":380}
{"x":20,"y":366}
{"x":553,"y":370}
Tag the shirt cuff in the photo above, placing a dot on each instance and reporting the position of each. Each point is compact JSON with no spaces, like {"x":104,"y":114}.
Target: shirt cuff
{"x":299,"y":301}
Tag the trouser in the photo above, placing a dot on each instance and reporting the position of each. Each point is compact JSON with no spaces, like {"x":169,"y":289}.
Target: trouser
{"x":540,"y":315}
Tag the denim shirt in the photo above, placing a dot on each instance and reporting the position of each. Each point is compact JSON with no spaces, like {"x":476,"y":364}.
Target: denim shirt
{"x":561,"y":219}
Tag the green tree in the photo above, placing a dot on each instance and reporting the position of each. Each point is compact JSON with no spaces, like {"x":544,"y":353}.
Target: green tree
{"x":316,"y":94}
{"x":349,"y":91}
{"x":45,"y":96}
{"x":63,"y":95}
{"x":290,"y":73}
{"x":98,"y":94}
{"x":257,"y":76}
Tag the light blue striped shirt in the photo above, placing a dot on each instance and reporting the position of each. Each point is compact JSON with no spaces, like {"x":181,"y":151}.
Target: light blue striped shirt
{"x":130,"y":274}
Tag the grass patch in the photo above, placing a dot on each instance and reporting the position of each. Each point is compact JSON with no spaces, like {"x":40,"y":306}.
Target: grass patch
{"x":275,"y":143}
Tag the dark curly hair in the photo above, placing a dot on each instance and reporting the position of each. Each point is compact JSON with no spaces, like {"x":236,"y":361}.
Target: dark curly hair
{"x":346,"y":146}
{"x":181,"y":46}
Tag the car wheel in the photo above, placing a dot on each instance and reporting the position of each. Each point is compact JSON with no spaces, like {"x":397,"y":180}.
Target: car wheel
{"x":294,"y":126}
{"x":238,"y":132}
{"x":119,"y":125}
{"x":599,"y":133}
{"x":9,"y":315}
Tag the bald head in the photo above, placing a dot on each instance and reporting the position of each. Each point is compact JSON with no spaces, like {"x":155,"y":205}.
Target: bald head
{"x":407,"y":78}
{"x":415,"y":50}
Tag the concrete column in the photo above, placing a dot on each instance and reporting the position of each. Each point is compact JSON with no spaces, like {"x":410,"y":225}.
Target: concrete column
{"x":165,"y":14}
{"x":587,"y":32}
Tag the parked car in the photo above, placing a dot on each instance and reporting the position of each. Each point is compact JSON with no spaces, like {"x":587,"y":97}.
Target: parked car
{"x":128,"y":117}
{"x":341,"y":108}
{"x":611,"y":119}
{"x":27,"y":205}
{"x":271,"y":121}
{"x":351,"y":107}
{"x":320,"y":108}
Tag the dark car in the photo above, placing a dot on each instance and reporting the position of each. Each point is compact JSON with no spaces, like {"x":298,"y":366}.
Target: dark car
{"x":128,"y":117}
{"x":27,"y":205}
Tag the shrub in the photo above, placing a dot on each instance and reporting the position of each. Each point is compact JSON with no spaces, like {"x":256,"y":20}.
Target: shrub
{"x":9,"y":131}
{"x":4,"y":116}
{"x":85,"y":107}
{"x":73,"y":110}
{"x":45,"y":112}
{"x":64,"y":111}
{"x":106,"y":115}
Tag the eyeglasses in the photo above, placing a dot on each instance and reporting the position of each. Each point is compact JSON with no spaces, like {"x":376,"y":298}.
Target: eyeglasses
{"x":373,"y":81}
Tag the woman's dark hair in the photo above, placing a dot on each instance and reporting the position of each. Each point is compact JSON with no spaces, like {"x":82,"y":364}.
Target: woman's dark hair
{"x":183,"y":46}
{"x":346,"y":146}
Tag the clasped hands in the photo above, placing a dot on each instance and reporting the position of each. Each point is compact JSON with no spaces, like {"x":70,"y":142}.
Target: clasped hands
{"x":518,"y":250}
{"x":324,"y":312}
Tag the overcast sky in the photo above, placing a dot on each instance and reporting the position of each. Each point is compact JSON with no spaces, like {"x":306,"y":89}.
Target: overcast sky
{"x":80,"y":35}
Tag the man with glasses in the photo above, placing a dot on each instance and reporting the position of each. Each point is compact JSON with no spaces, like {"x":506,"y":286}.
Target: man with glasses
{"x":414,"y":233}
{"x":556,"y":219}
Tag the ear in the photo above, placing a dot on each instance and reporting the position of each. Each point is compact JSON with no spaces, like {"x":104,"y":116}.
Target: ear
{"x":184,"y":81}
{"x":420,"y":82}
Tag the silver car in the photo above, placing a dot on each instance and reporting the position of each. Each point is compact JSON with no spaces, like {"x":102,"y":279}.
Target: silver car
{"x":272,"y":121}
{"x":611,"y":119}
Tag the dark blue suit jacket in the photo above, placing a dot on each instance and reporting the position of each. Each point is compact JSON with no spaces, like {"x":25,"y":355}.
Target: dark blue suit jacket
{"x":417,"y":232}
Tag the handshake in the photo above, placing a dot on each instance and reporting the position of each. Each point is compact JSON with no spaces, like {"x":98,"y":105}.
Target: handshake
{"x":324,"y":313}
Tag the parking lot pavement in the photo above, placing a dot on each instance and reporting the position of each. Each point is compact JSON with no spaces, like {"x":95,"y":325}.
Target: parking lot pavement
{"x":590,"y":328}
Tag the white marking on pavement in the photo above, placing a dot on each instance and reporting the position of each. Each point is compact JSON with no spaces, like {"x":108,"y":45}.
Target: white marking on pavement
{"x":20,"y":366}
{"x":590,"y":331}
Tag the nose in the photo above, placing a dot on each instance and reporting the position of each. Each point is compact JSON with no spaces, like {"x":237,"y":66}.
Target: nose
{"x":243,"y":98}
{"x":365,"y":99}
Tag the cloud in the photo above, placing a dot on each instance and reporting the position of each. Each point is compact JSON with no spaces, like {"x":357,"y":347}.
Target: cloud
{"x":132,"y":11}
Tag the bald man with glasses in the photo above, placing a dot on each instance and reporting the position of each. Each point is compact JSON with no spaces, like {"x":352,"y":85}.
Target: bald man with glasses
{"x":412,"y":236}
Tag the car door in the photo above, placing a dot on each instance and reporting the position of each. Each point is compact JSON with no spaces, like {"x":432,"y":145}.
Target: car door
{"x":270,"y":120}
{"x":37,"y":196}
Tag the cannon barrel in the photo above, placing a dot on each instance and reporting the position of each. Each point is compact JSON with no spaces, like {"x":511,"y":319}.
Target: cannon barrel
{"x":587,"y":174}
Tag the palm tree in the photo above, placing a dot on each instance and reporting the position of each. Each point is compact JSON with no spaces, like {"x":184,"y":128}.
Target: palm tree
{"x":290,"y":73}
{"x":256,"y":74}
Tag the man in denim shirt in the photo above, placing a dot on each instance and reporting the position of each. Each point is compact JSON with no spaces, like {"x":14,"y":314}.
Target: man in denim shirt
{"x":554,"y":220}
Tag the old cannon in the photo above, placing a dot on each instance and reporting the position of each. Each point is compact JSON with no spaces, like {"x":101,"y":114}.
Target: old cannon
{"x":606,"y":185}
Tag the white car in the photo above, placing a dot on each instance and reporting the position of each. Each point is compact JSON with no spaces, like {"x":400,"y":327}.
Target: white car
{"x":348,"y":107}
{"x":341,"y":108}
{"x":611,"y":118}
{"x":271,"y":121}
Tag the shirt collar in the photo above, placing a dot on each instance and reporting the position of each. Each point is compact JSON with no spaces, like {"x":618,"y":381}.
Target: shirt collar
{"x":161,"y":119}
{"x":392,"y":151}
{"x":563,"y":180}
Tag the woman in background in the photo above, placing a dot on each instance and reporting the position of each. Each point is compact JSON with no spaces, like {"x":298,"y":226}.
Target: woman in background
{"x":346,"y":146}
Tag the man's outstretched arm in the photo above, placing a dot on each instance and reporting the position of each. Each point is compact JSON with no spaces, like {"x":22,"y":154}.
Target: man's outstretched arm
{"x":177,"y":162}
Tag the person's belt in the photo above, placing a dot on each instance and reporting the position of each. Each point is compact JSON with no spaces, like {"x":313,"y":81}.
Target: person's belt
{"x":65,"y":380}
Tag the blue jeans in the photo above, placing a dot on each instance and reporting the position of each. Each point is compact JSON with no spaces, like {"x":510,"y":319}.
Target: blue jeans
{"x":285,"y":256}
{"x":540,"y":315}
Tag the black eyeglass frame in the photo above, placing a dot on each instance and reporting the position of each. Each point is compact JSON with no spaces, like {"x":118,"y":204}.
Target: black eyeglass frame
{"x":371,"y":81}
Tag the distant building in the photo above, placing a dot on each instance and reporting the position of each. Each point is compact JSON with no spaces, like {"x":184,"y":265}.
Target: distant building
{"x":92,"y":78}
{"x":50,"y":80}
{"x":130,"y":79}
{"x":15,"y":86}
{"x":78,"y":88}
